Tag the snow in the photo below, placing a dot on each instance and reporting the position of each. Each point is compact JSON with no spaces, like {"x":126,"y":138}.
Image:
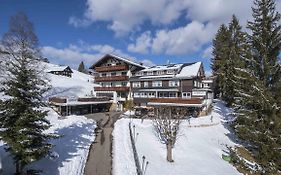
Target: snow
{"x":79,"y":84}
{"x":70,"y":152}
{"x":190,"y":70}
{"x":162,"y":67}
{"x":198,"y":150}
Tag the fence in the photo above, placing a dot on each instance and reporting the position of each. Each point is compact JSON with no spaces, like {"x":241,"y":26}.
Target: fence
{"x":137,"y":162}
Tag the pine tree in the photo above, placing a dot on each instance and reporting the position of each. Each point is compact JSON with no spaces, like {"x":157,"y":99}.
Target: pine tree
{"x":228,"y":47}
{"x":218,"y":62}
{"x":22,"y":120}
{"x":258,"y":85}
{"x":236,"y":46}
{"x":81,"y":67}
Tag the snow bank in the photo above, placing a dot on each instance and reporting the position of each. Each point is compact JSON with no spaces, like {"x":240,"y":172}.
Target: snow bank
{"x":123,"y":159}
{"x":197,"y":151}
{"x":70,"y":151}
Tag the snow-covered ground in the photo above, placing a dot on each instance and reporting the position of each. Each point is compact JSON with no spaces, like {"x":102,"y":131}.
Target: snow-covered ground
{"x":198,"y":150}
{"x":70,"y":151}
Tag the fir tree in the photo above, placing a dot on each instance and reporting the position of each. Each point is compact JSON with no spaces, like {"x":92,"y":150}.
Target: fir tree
{"x":218,"y":62}
{"x":22,"y":120}
{"x":258,"y":85}
{"x":237,"y":47}
{"x":81,"y":67}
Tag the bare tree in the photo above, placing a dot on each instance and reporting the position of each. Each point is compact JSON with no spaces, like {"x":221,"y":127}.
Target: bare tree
{"x":166,"y":123}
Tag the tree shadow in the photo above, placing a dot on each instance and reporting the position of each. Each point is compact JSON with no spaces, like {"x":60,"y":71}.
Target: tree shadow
{"x":67,"y":148}
{"x":227,"y":119}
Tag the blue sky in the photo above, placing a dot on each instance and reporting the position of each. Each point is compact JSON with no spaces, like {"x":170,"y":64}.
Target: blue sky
{"x":152,"y":32}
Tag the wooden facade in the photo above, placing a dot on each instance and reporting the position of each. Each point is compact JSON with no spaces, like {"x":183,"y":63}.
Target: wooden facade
{"x":63,"y":71}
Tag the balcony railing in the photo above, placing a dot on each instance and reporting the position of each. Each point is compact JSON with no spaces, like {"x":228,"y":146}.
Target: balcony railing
{"x":112,"y":78}
{"x":176,"y":100}
{"x":111,"y":68}
{"x":57,"y":100}
{"x":112,"y":88}
{"x":91,"y":99}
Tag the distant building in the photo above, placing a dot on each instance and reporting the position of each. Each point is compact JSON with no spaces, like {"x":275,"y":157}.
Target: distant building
{"x":172,"y":85}
{"x":112,"y":73}
{"x":60,"y":70}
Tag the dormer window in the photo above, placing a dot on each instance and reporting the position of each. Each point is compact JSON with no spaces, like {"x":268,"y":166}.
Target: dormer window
{"x":149,"y":73}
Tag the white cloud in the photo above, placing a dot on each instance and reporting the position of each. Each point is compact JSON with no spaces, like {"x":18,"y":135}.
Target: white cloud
{"x":125,"y":15}
{"x":147,"y":62}
{"x":207,"y":53}
{"x":143,"y":43}
{"x":179,"y":41}
{"x":75,"y":53}
{"x":69,"y":56}
{"x":203,"y":18}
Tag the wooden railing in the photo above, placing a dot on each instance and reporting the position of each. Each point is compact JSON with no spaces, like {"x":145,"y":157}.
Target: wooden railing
{"x":93,"y":99}
{"x":111,"y":68}
{"x":57,"y":100}
{"x":112,"y":78}
{"x":111,"y":88}
{"x":176,"y":100}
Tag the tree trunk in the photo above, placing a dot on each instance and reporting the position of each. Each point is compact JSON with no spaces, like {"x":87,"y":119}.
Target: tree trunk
{"x":17,"y":167}
{"x":169,"y":153}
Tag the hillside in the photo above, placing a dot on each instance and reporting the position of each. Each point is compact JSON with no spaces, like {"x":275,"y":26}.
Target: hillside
{"x":79,"y":84}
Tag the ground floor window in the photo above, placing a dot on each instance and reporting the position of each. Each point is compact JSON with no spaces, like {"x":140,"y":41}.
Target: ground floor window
{"x":186,"y":95}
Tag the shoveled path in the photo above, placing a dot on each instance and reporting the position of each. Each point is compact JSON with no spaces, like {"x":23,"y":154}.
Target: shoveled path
{"x":99,"y":160}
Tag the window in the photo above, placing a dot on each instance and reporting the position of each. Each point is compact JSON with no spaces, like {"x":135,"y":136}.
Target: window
{"x":103,"y":74}
{"x":145,"y":84}
{"x":186,"y":95}
{"x":136,"y":94}
{"x":157,"y":84}
{"x":149,"y":73}
{"x":124,"y":84}
{"x":124,"y":73}
{"x":161,"y":72}
{"x":174,"y":83}
{"x":151,"y":94}
{"x":113,"y":73}
{"x":136,"y":84}
{"x":172,"y":94}
{"x":171,"y":71}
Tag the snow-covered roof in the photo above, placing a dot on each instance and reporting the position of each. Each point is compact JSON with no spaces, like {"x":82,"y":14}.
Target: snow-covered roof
{"x":190,"y":70}
{"x":163,"y":67}
{"x":184,"y":70}
{"x":129,"y":61}
{"x":52,"y":67}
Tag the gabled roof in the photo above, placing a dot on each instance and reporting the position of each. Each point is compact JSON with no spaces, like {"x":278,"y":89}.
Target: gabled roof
{"x":56,"y":68}
{"x":190,"y":70}
{"x":119,"y":58}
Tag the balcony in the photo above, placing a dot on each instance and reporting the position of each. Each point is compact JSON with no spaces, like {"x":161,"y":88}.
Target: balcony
{"x":124,"y":88}
{"x":184,"y":101}
{"x":111,"y":68}
{"x":112,"y":78}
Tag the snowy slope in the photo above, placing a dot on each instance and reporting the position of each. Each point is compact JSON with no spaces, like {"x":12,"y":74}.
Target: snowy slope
{"x":79,"y":84}
{"x":197,"y":151}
